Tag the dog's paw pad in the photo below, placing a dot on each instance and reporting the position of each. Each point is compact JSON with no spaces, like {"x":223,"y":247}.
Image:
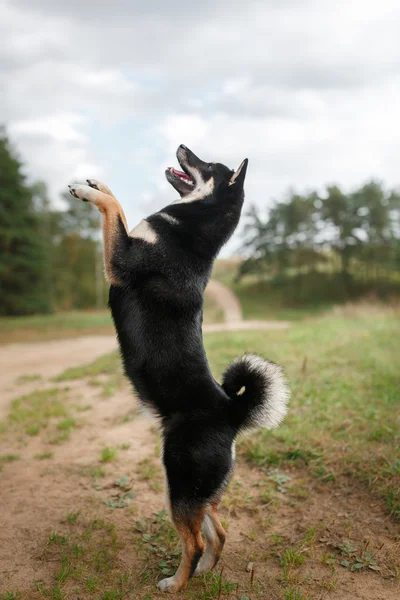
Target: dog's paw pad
{"x":168,"y":585}
{"x":93,"y":183}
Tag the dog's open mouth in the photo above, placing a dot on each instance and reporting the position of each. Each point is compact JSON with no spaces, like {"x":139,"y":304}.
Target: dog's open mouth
{"x":181,"y":175}
{"x":186,"y":179}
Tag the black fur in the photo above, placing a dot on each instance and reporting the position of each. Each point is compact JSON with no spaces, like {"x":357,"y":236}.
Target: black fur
{"x":158,"y":311}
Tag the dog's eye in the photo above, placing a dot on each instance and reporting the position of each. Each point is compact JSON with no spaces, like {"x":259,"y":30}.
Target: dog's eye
{"x":210,"y":167}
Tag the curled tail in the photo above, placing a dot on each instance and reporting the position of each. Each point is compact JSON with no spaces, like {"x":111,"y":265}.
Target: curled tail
{"x":258,"y":390}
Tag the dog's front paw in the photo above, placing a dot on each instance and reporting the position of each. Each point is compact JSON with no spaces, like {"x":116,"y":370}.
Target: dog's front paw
{"x":93,"y":183}
{"x":79,"y":191}
{"x":170,"y":584}
{"x":100,"y":187}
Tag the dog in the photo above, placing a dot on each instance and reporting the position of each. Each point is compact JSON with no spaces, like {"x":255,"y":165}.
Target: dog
{"x":157,"y":274}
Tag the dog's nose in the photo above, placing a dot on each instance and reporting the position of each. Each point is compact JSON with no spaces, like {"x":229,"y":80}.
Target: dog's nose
{"x":183,"y":147}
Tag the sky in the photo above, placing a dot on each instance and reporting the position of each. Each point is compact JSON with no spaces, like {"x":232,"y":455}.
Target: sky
{"x":308,"y":90}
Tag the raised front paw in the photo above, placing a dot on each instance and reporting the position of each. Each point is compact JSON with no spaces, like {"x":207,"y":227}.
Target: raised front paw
{"x":93,"y":183}
{"x":79,"y":191}
{"x":101,"y":187}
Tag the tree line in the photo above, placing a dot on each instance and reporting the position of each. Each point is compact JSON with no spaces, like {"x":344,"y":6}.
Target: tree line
{"x":50,"y":259}
{"x":354,"y":236}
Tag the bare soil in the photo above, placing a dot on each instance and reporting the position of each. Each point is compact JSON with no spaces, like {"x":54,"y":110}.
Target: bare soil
{"x":37,"y":495}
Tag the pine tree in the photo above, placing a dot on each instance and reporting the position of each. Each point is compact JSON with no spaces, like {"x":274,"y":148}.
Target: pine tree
{"x":22,"y":249}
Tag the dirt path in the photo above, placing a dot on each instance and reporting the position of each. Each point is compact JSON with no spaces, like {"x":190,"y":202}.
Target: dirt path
{"x":42,"y":360}
{"x":46,"y":483}
{"x":47,"y":359}
{"x":226,"y":299}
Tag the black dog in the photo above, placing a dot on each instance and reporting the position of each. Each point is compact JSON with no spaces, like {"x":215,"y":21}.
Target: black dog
{"x":158,"y":273}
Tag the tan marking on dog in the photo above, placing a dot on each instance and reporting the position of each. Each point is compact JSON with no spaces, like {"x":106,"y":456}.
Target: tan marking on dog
{"x":236,"y":173}
{"x":145,"y":232}
{"x":189,"y":530}
{"x":111,"y":210}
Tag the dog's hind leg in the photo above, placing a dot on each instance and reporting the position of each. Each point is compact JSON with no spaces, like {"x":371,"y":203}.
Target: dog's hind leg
{"x":115,"y":229}
{"x":188,"y":525}
{"x":215,"y":539}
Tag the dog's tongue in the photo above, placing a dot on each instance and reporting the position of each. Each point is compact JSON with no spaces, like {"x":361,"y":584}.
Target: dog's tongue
{"x":180,"y":174}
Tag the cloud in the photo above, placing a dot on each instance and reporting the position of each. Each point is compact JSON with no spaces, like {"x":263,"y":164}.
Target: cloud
{"x":306,"y":89}
{"x":59,"y":137}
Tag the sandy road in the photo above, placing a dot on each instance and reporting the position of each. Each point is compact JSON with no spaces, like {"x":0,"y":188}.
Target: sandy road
{"x":49,"y":358}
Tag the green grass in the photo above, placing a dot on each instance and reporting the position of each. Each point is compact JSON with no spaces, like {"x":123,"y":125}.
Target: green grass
{"x":72,"y":517}
{"x":344,"y":418}
{"x":290,"y":299}
{"x":63,"y":430}
{"x":55,"y":538}
{"x":342,"y":435}
{"x":104,"y":365}
{"x":45,"y":327}
{"x":44,"y":456}
{"x":290,"y":559}
{"x":293,"y":593}
{"x":31,"y":413}
{"x":28,"y":379}
{"x":297,"y":296}
{"x":86,"y":556}
{"x":148,"y":470}
{"x":268,"y":300}
{"x":108,"y":455}
{"x":108,"y":367}
{"x":260,"y":301}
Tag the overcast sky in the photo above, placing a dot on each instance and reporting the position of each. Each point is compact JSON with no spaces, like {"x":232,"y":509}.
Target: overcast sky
{"x":308,"y":90}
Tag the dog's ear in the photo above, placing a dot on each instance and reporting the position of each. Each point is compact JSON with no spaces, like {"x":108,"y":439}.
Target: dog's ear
{"x":238,"y":177}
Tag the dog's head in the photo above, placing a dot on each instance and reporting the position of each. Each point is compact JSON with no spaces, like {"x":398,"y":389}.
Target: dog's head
{"x":199,"y":180}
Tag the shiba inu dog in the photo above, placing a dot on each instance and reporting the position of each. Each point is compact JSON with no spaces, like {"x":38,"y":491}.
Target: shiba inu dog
{"x":157,"y":274}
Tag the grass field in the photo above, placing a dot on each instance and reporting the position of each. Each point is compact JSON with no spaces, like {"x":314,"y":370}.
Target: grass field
{"x":345,"y":377}
{"x":299,"y":296}
{"x":314,"y":508}
{"x":261,"y":299}
{"x":54,"y":326}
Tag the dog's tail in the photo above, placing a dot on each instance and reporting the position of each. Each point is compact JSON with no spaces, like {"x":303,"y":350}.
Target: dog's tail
{"x":258,"y":390}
